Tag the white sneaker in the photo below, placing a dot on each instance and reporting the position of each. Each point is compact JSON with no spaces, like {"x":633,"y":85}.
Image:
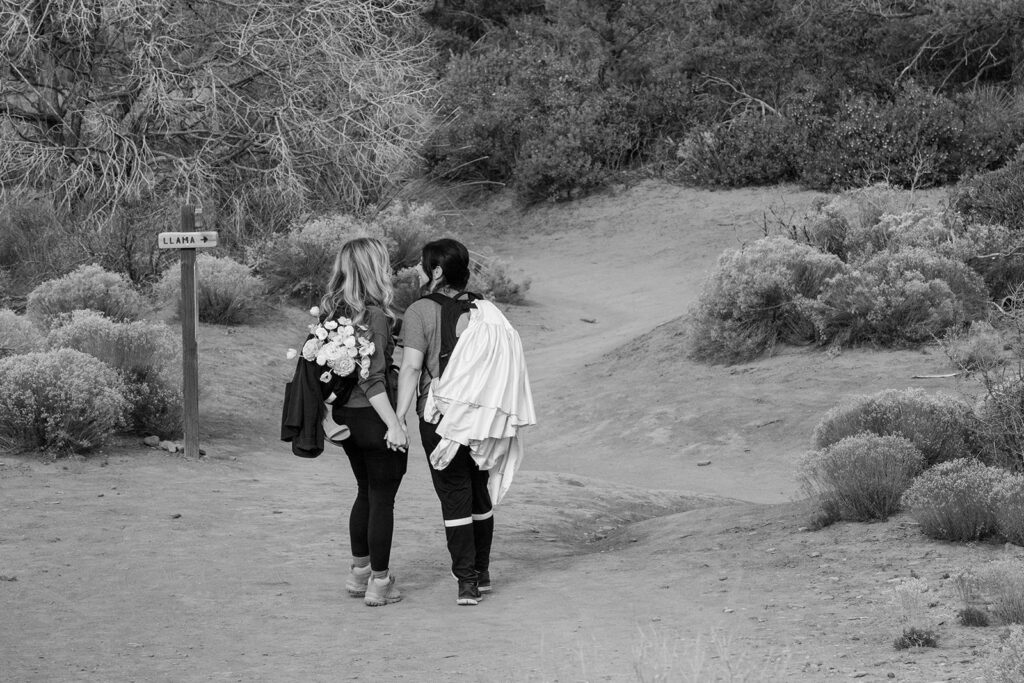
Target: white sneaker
{"x":381,"y":591}
{"x":355,"y":584}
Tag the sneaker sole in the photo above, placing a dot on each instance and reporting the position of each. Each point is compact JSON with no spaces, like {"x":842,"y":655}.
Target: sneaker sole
{"x":356,"y":593}
{"x":468,"y":601}
{"x":381,"y":603}
{"x":484,"y":589}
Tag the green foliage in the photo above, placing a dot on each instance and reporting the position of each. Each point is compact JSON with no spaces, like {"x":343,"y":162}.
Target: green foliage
{"x":18,"y":334}
{"x":60,"y":401}
{"x":955,"y":500}
{"x":1000,"y":415}
{"x":941,"y":426}
{"x":145,"y":354}
{"x":226,"y":291}
{"x":30,"y":251}
{"x":752,"y":149}
{"x":912,"y":295}
{"x":995,"y":197}
{"x":755,"y":299}
{"x":88,"y":287}
{"x":406,"y":283}
{"x":405,"y":228}
{"x":861,"y":477}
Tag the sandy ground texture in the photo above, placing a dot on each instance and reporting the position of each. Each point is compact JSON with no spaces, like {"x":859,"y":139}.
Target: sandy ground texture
{"x":655,"y":532}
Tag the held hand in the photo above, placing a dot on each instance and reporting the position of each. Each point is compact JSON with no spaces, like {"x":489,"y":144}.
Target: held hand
{"x":397,"y":439}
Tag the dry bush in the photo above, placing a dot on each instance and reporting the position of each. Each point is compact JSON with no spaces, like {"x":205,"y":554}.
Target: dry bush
{"x":88,"y":287}
{"x":754,"y":300}
{"x":491,"y":279}
{"x":861,"y":477}
{"x":1002,"y":582}
{"x":145,"y":354}
{"x":1010,"y":509}
{"x":941,"y":426}
{"x":955,"y":500}
{"x":59,"y":401}
{"x":226,"y":291}
{"x":1006,"y":662}
{"x":978,"y":348}
{"x":18,"y":334}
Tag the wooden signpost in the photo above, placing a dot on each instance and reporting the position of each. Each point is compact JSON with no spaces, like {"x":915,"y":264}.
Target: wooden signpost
{"x":187,"y":241}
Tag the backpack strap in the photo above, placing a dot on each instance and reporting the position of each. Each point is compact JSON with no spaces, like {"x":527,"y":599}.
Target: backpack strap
{"x":452,"y":308}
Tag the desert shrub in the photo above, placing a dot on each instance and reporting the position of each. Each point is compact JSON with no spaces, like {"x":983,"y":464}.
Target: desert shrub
{"x":1002,"y":582}
{"x":30,"y":249}
{"x":298,"y":263}
{"x":754,"y":299}
{"x":227,"y":293}
{"x":955,"y":500}
{"x":406,"y":283}
{"x":752,"y":149}
{"x":941,"y":426}
{"x":862,"y":477}
{"x":18,"y":334}
{"x":1009,"y":509}
{"x":405,"y":228}
{"x":1006,"y":662}
{"x":88,"y":287}
{"x":908,"y":296}
{"x":976,"y":348}
{"x":145,"y":354}
{"x":1000,"y":419}
{"x":916,"y":637}
{"x":995,"y":197}
{"x":972,"y":616}
{"x":993,"y":251}
{"x":909,"y":141}
{"x":59,"y":401}
{"x":491,"y":278}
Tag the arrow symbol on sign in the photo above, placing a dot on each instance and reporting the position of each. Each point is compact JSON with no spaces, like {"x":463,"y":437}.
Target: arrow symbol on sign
{"x":205,"y":239}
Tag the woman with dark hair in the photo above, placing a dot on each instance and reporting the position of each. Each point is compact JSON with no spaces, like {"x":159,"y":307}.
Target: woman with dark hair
{"x":461,"y":486}
{"x":360,"y":289}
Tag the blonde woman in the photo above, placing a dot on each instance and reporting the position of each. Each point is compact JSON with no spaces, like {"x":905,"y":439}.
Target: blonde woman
{"x":360,"y":289}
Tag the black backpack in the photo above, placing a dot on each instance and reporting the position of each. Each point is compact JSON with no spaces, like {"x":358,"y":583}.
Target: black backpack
{"x":452,"y":308}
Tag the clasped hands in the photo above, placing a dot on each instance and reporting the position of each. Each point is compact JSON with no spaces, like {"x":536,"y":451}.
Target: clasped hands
{"x":397,"y":439}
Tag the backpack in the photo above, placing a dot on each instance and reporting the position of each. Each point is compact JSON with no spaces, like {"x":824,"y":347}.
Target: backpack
{"x":452,"y":308}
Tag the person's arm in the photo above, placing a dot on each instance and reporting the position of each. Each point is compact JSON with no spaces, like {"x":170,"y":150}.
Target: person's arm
{"x":373,"y":386}
{"x":408,"y":379}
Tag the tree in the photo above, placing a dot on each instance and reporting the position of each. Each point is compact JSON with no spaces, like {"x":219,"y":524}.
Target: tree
{"x":271,"y":106}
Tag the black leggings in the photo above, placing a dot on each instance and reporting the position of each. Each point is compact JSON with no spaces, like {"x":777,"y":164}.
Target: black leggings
{"x":465,"y":505}
{"x":379,"y":473}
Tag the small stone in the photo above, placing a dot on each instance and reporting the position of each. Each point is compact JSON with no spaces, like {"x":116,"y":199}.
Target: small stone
{"x":152,"y":441}
{"x":703,"y":463}
{"x":728,"y":610}
{"x":176,"y":515}
{"x":814,"y":554}
{"x":169,"y":446}
{"x":589,"y":320}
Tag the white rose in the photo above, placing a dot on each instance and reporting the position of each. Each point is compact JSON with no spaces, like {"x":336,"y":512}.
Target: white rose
{"x":292,"y":353}
{"x":315,"y":311}
{"x":326,"y":377}
{"x":348,"y":331}
{"x":344,"y":366}
{"x":344,"y":322}
{"x":310,"y":348}
{"x":320,"y":333}
{"x":351,"y":351}
{"x":331,"y":324}
{"x":350,"y":342}
{"x":321,"y":355}
{"x":367,"y":349}
{"x":333,"y":351}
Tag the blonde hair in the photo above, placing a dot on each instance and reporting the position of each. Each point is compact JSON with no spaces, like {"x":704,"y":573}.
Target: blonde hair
{"x":361,"y":277}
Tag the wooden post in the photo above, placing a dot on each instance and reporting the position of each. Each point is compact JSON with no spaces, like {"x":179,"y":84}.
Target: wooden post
{"x":189,"y":346}
{"x":186,"y":242}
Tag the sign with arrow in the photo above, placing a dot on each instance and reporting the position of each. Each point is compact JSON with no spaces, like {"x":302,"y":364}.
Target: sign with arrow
{"x":186,"y":240}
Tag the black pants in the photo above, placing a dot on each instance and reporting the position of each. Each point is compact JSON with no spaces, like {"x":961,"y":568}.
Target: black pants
{"x":379,"y":473}
{"x":465,"y":505}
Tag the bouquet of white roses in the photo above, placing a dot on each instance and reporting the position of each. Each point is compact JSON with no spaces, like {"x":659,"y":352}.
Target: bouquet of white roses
{"x":336,"y":345}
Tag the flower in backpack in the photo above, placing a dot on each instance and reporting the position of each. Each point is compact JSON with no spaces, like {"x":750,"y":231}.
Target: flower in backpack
{"x":337,"y":345}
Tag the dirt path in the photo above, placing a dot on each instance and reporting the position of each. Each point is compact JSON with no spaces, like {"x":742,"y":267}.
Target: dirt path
{"x":137,"y":566}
